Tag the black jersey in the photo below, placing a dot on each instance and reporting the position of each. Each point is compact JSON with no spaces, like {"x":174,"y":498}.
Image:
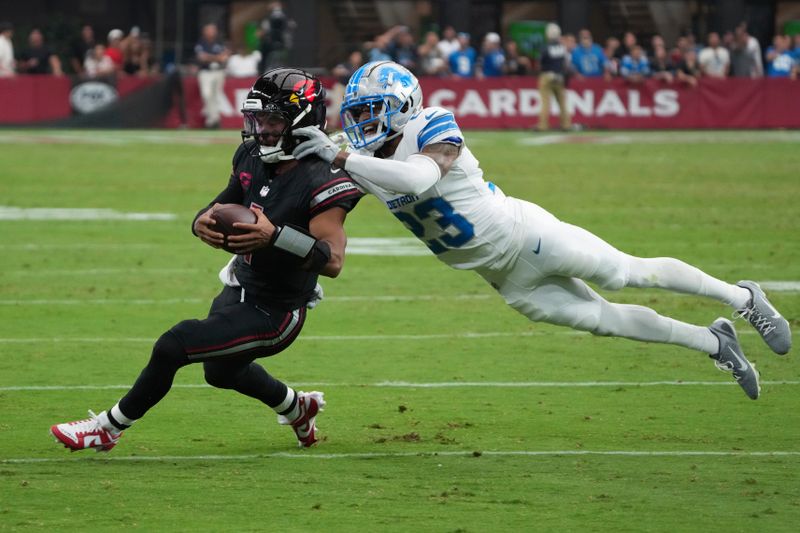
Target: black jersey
{"x":297,"y":193}
{"x":554,"y":58}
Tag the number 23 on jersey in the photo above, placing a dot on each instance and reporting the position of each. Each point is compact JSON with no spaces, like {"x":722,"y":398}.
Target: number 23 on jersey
{"x":438,"y":238}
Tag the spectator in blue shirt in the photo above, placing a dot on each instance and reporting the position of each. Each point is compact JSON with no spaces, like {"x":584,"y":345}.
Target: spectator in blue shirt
{"x":635,"y":67}
{"x":462,"y":62}
{"x":780,"y":63}
{"x":588,"y":58}
{"x":492,"y":61}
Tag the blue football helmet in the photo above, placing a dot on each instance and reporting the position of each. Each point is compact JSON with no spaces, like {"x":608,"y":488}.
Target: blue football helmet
{"x":379,"y":100}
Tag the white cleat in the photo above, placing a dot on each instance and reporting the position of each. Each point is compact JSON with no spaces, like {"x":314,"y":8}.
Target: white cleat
{"x":85,"y":434}
{"x":304,"y":426}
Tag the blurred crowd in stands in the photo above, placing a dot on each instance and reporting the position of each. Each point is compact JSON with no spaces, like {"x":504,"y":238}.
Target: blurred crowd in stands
{"x":450,"y":53}
{"x":88,"y":56}
{"x":732,"y":54}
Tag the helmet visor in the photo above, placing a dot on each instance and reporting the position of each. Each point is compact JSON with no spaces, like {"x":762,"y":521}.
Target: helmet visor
{"x":265,"y":126}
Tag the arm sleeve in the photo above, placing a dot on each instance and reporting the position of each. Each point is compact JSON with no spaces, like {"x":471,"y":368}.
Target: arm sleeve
{"x":416,"y":174}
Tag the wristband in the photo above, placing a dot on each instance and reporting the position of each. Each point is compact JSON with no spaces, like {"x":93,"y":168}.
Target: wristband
{"x":293,"y":240}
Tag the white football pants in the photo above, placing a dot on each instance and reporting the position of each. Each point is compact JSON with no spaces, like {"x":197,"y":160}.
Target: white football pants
{"x":212,"y":89}
{"x":546,"y":284}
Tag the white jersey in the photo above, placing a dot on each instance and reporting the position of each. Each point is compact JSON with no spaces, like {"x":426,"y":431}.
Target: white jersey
{"x":467,"y":222}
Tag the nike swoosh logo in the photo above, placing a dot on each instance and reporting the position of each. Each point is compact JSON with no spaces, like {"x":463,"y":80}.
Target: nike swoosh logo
{"x":428,"y":117}
{"x":742,"y":363}
{"x":538,"y":246}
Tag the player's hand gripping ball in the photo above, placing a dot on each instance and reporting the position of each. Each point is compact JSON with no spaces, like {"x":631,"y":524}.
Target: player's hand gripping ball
{"x":224,"y":217}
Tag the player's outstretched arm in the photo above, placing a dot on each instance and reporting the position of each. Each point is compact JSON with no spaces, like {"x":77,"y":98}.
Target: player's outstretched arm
{"x":418,"y":173}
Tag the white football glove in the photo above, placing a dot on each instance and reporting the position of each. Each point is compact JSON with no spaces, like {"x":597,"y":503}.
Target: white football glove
{"x":316,"y":298}
{"x":317,"y":144}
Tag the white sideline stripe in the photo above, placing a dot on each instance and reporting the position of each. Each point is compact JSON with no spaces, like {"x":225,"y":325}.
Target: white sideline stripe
{"x":374,"y":242}
{"x":412,"y":385}
{"x":468,"y":335}
{"x":61,"y":213}
{"x":780,"y":286}
{"x":399,"y":246}
{"x":404,"y":337}
{"x":96,"y":271}
{"x":363,"y":298}
{"x":88,"y":246}
{"x":422,"y":454}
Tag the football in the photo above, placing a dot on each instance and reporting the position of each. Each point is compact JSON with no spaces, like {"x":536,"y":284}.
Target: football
{"x":225,"y":215}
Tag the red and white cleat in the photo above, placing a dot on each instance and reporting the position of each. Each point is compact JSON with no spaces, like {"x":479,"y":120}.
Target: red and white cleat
{"x":311,"y":403}
{"x":85,"y":434}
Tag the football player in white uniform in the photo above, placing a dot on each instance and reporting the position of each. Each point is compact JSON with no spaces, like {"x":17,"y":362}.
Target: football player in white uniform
{"x":416,"y":161}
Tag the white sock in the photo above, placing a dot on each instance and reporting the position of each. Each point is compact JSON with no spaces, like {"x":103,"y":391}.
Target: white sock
{"x":119,"y":418}
{"x":691,"y":336}
{"x":675,"y":275}
{"x":286,"y":407}
{"x":644,"y":324}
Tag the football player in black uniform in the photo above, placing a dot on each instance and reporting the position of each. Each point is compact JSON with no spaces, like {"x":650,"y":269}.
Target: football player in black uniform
{"x":301,"y":207}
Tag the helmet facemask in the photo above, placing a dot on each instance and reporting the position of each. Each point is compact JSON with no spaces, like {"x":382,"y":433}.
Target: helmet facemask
{"x":368,"y":121}
{"x":255,"y":116}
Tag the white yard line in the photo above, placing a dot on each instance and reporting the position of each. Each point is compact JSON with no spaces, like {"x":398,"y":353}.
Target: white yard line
{"x":167,"y":301}
{"x":61,"y":213}
{"x":780,"y":286}
{"x":431,"y":454}
{"x":34,"y":272}
{"x":326,"y":338}
{"x":385,"y":247}
{"x":414,"y":385}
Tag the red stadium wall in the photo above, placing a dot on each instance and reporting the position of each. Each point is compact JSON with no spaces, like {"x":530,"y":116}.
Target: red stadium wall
{"x":490,"y":104}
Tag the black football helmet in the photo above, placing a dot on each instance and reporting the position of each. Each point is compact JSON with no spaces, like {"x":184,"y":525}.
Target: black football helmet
{"x":295,"y":95}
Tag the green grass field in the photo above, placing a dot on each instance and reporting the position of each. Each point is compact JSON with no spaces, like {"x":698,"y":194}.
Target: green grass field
{"x":447,"y":411}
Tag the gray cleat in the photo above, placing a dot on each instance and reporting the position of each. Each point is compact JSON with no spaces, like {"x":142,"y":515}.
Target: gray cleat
{"x":769,"y":323}
{"x":731,"y":358}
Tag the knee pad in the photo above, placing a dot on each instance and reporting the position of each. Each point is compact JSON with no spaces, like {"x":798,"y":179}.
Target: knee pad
{"x":616,"y":277}
{"x":526,"y":307}
{"x":584,"y":316}
{"x":168,"y":349}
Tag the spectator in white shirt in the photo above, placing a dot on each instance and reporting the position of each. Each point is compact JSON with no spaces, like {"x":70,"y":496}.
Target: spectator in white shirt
{"x":448,"y":43}
{"x":6,"y":50}
{"x":97,"y":64}
{"x":243,"y":65}
{"x":715,"y":61}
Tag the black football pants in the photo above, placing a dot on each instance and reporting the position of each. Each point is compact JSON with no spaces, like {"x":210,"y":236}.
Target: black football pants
{"x":234,"y":334}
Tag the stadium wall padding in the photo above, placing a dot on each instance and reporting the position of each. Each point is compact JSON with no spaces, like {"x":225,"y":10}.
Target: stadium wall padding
{"x":498,"y":103}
